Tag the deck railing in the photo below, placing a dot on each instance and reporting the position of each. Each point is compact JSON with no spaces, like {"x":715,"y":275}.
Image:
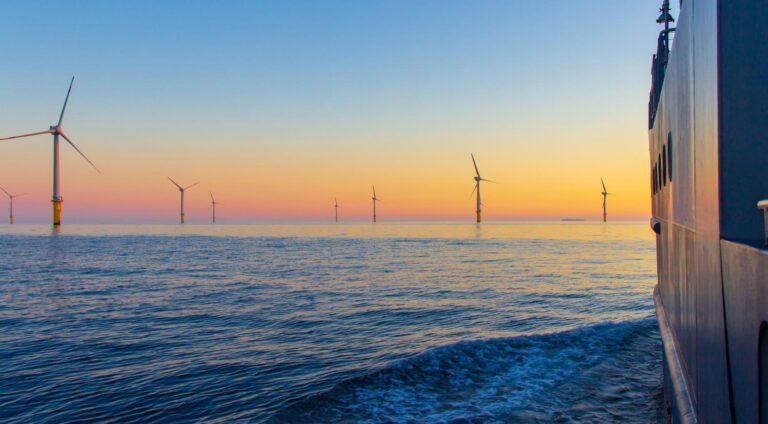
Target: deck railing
{"x":763,"y":205}
{"x":658,"y":71}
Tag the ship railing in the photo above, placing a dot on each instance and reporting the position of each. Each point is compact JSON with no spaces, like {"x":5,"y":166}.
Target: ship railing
{"x":763,"y":205}
{"x":658,"y":71}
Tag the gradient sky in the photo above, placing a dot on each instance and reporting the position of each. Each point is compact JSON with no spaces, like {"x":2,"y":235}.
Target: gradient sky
{"x":278,"y":106}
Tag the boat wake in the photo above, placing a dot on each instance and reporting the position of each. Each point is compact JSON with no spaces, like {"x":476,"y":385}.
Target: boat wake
{"x":598,"y":373}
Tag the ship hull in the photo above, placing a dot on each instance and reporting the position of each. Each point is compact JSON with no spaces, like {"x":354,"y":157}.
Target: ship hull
{"x":708,"y":170}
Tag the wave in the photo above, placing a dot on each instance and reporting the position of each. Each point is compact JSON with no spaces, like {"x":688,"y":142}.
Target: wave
{"x":598,"y":373}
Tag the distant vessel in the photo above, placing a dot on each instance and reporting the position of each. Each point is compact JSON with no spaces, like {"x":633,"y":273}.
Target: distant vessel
{"x":572,"y":220}
{"x":708,"y":131}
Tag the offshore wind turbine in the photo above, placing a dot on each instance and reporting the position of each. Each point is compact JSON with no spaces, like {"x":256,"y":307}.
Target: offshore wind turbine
{"x":477,"y":179}
{"x":56,"y":131}
{"x":605,"y":196}
{"x":181,"y":191}
{"x":213,"y":205}
{"x":11,"y":196}
{"x":336,"y":206}
{"x":375,"y":199}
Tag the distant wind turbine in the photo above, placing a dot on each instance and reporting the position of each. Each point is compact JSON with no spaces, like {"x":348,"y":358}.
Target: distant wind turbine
{"x":56,"y":131}
{"x":478,"y":178}
{"x":375,"y":199}
{"x":336,"y":206}
{"x":181,"y":191}
{"x":11,"y":196}
{"x":213,"y":205}
{"x":605,"y":196}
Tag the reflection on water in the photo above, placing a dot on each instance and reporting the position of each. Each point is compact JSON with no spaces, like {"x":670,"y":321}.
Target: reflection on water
{"x":325,"y":323}
{"x":512,"y":229}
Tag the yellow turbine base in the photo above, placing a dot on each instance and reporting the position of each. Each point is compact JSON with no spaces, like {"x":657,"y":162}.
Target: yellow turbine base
{"x":11,"y":219}
{"x":182,"y":218}
{"x":56,"y":212}
{"x":478,"y":217}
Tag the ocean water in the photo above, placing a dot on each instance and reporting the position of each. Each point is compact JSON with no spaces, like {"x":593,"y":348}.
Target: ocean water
{"x":399,"y":322}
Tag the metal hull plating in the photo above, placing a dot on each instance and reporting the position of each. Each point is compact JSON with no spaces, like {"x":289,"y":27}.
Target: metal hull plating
{"x":707,"y":142}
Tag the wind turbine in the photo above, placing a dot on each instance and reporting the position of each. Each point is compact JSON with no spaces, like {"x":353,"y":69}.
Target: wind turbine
{"x":605,"y":196}
{"x":56,"y":131}
{"x":11,"y":196}
{"x":182,"y":190}
{"x":336,"y":206}
{"x":213,"y":204}
{"x":375,"y":199}
{"x":478,"y":178}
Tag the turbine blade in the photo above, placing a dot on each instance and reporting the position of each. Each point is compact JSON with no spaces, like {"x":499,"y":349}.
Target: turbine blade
{"x":603,"y":183}
{"x":212,"y":199}
{"x":190,"y":186}
{"x":477,"y":171}
{"x":488,"y":181}
{"x":66,"y":99}
{"x":9,"y":194}
{"x":81,"y":153}
{"x":175,"y":183}
{"x":374,"y":190}
{"x":473,"y":190}
{"x":26,"y":135}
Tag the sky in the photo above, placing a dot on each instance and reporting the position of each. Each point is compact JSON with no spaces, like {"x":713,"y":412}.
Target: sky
{"x":277,"y":107}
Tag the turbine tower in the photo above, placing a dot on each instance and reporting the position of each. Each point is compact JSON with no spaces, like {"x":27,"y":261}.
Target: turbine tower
{"x":11,"y":196}
{"x":56,"y":131}
{"x":477,"y":179}
{"x":213,"y":205}
{"x":181,"y":191}
{"x":375,"y":199}
{"x":336,"y":206}
{"x":605,"y":196}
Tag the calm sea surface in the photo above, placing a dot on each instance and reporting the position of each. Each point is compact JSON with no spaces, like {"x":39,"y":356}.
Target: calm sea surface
{"x":405,"y":322}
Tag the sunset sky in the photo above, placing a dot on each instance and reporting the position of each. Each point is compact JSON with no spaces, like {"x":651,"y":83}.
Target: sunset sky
{"x":278,"y":106}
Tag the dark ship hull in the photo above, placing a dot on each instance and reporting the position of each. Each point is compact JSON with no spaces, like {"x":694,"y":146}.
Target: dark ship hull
{"x":709,"y":169}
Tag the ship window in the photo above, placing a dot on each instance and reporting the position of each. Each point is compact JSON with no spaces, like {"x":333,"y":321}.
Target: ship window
{"x":669,"y":156}
{"x":658,"y":171}
{"x":664,"y":164}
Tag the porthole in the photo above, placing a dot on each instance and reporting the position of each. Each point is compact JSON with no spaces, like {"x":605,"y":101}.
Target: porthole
{"x":669,"y":156}
{"x":658,"y":171}
{"x":664,"y":165}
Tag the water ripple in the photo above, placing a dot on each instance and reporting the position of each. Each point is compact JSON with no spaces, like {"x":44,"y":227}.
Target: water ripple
{"x":405,"y":324}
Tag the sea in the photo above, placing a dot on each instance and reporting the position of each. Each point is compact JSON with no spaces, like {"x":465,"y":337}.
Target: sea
{"x":403,"y":322}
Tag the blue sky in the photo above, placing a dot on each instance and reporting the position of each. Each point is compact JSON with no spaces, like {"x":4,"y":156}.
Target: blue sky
{"x":307,"y":80}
